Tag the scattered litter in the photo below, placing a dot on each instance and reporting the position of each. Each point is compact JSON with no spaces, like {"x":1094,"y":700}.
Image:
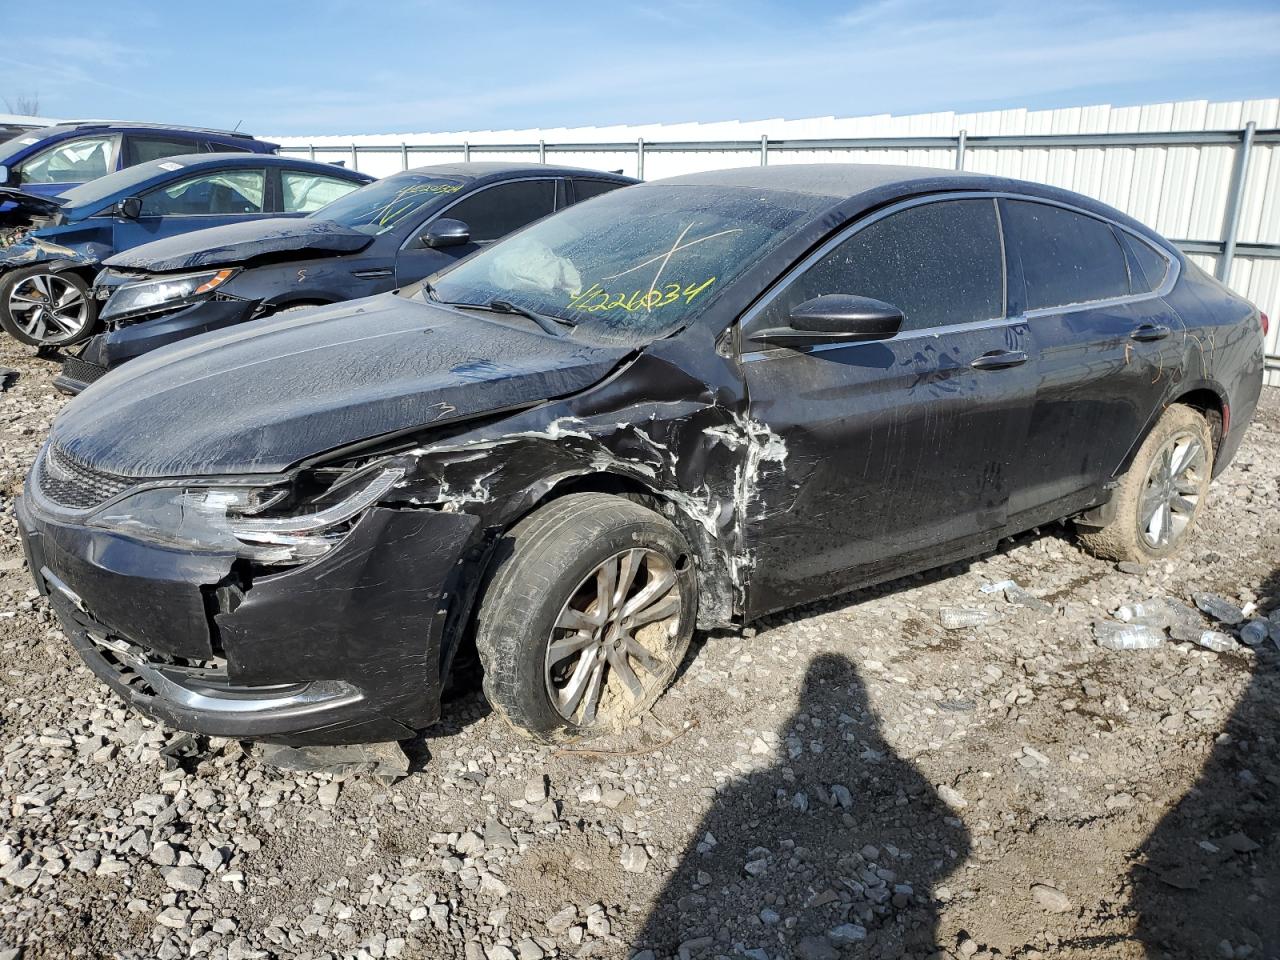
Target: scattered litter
{"x":1161,"y":613}
{"x":1111,"y":635}
{"x":1224,"y":611}
{"x":1024,"y":598}
{"x":8,"y":377}
{"x":958,"y":618}
{"x":998,"y":587}
{"x":1254,"y":632}
{"x":1216,"y":641}
{"x":185,"y":751}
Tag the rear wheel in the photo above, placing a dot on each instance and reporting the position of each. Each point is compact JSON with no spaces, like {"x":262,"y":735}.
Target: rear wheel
{"x":46,"y":309}
{"x":1163,"y":492}
{"x":587,"y":616}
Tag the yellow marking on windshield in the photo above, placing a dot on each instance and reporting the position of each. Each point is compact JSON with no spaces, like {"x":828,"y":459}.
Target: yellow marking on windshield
{"x":596,"y":299}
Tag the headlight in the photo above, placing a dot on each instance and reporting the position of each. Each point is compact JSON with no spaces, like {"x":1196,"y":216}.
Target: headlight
{"x":233,"y":519}
{"x":146,"y":295}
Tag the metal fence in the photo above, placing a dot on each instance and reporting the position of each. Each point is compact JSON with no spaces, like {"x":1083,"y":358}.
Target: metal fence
{"x":1180,"y":182}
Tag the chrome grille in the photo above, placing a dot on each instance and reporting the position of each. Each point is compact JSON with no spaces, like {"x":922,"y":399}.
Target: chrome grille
{"x":69,"y":483}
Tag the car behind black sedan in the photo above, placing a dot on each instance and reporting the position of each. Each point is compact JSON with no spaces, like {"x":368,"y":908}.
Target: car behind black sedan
{"x":391,"y":233}
{"x":688,"y":403}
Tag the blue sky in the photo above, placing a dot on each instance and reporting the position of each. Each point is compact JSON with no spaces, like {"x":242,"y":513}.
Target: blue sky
{"x":385,"y":66}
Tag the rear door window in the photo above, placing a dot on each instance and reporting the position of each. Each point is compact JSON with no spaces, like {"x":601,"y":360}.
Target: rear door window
{"x":939,"y":263}
{"x":141,"y":149}
{"x":1066,"y":257}
{"x":227,"y":192}
{"x":72,"y":161}
{"x":496,"y":211}
{"x":305,"y":192}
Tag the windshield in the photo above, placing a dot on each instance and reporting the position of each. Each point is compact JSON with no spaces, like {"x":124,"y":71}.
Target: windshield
{"x":98,"y":190}
{"x":380,"y":206}
{"x":634,"y":264}
{"x":24,"y":141}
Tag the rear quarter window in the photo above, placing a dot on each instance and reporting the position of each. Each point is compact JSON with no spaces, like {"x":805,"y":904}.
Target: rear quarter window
{"x":586,"y":189}
{"x":1066,"y":257}
{"x":1147,"y":266}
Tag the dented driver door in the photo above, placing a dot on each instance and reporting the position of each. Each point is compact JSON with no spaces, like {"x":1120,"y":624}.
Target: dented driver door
{"x":898,"y":452}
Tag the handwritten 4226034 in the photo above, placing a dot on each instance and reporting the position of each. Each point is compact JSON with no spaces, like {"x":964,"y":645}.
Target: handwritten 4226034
{"x":596,"y":299}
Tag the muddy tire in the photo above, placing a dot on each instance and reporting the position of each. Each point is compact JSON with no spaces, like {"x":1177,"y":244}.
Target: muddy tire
{"x":1162,"y":494}
{"x":586,"y":616}
{"x":45,"y":309}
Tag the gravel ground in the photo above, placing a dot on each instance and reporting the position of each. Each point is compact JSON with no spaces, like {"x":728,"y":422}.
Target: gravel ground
{"x":852,"y":779}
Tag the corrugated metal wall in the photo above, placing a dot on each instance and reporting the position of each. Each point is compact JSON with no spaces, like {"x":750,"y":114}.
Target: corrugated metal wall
{"x":1182,"y":191}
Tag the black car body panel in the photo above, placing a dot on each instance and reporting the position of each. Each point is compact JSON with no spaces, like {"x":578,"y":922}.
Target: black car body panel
{"x":236,"y":243}
{"x":793,"y":473}
{"x":271,"y":399}
{"x":304,"y":262}
{"x":26,"y":204}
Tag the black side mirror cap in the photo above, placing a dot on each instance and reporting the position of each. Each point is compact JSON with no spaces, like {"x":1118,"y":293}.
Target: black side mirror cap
{"x":130,"y":208}
{"x":446,"y":233}
{"x":835,"y":318}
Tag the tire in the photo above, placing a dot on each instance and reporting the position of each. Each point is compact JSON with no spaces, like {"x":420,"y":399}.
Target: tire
{"x":548,"y":572}
{"x":44,"y":308}
{"x":1167,"y":463}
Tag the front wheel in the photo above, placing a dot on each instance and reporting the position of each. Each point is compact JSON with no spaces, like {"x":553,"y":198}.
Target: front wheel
{"x":46,"y":309}
{"x":587,"y":616}
{"x":1163,"y":492}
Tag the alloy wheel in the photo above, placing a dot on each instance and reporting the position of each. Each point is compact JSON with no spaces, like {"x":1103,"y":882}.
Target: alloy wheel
{"x":612,"y":642}
{"x":1172,"y":491}
{"x":49,"y":308}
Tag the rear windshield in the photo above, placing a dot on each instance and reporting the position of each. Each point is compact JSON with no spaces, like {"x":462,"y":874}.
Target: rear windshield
{"x":380,"y":206}
{"x":632,"y":265}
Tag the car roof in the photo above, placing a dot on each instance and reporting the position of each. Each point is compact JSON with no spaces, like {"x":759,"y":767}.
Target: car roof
{"x":143,"y":125}
{"x":497,"y":169}
{"x":835,"y":180}
{"x":90,"y":196}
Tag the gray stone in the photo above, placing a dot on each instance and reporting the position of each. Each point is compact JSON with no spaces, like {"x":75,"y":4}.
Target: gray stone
{"x":186,"y":879}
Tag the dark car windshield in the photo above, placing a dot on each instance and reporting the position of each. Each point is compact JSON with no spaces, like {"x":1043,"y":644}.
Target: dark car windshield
{"x":378,"y":207}
{"x":96,"y":191}
{"x":634,"y":264}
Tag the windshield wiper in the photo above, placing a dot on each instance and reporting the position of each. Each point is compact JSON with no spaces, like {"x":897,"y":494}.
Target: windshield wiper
{"x":545,"y":321}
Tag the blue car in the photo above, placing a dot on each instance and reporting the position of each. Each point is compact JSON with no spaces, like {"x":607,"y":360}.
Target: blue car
{"x":51,"y":160}
{"x":45,"y":276}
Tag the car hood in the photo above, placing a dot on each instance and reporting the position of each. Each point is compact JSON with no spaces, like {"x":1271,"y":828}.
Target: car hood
{"x":262,"y":396}
{"x":30,"y":204}
{"x":239,"y":242}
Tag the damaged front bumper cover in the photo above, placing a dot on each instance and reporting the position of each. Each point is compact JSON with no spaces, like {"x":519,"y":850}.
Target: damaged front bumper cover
{"x":348,"y":648}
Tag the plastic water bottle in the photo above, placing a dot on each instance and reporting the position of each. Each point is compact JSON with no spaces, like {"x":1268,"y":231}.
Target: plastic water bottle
{"x":1126,"y":636}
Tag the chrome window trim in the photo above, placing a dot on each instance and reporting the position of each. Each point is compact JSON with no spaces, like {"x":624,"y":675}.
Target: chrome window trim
{"x":417,"y":231}
{"x":750,"y":314}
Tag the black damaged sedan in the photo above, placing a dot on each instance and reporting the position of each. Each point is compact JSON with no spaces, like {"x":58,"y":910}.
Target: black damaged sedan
{"x":684,"y":404}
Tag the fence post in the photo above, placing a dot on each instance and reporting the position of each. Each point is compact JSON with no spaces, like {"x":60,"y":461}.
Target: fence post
{"x":466,"y":151}
{"x":961,"y":142}
{"x":764,"y":149}
{"x":404,"y":157}
{"x":640,"y":158}
{"x":311,"y":150}
{"x":1231,"y":224}
{"x":355,"y":158}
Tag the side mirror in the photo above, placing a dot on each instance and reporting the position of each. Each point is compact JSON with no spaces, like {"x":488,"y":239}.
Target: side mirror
{"x":130,"y":208}
{"x":446,"y":233}
{"x":835,"y":318}
{"x":5,"y":174}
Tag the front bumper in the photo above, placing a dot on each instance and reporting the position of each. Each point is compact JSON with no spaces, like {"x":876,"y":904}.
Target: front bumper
{"x":106,"y":351}
{"x":349,"y":648}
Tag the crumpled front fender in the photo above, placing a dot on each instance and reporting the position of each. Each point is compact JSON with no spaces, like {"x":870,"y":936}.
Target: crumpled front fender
{"x":33,"y":249}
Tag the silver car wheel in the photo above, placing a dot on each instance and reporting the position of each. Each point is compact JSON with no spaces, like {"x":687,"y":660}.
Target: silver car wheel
{"x":49,"y":308}
{"x":1172,"y":491}
{"x":612,"y":642}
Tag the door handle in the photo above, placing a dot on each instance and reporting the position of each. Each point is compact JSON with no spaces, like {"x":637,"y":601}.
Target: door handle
{"x":1149,"y":331}
{"x":999,"y":360}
